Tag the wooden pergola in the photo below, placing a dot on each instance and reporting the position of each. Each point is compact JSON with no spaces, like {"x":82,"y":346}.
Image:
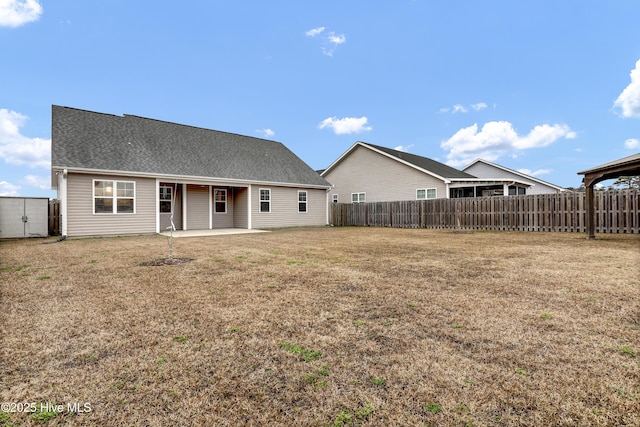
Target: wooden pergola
{"x":627,"y":166}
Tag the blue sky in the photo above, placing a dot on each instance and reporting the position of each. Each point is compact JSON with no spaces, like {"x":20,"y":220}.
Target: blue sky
{"x":547,"y":87}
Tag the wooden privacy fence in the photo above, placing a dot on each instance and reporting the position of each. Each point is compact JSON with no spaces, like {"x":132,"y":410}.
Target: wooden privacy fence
{"x":54,"y":217}
{"x":617,"y":211}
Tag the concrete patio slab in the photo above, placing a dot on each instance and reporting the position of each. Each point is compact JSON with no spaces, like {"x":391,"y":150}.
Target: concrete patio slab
{"x":214,"y":232}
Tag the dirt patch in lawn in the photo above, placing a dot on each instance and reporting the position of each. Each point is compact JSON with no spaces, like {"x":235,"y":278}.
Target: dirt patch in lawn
{"x":323,"y":326}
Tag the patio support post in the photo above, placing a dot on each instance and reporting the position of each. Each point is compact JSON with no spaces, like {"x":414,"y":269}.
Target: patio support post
{"x":590,"y":212}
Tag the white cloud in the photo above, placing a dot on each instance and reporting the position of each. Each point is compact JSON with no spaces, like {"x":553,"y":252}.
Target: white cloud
{"x":314,"y":31}
{"x":14,"y":13}
{"x":544,"y":135}
{"x":8,"y":190}
{"x":345,"y":125}
{"x":41,"y":182}
{"x":404,"y":148}
{"x":18,"y":149}
{"x":497,"y":138}
{"x":459,"y":108}
{"x":536,"y":172}
{"x":629,"y":99}
{"x":330,"y":42}
{"x":632,"y":144}
{"x":266,"y":132}
{"x":479,"y":106}
{"x":337,"y":39}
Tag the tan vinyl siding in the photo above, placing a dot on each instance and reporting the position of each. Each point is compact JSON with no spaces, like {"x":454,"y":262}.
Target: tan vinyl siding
{"x":81,"y":221}
{"x":197,"y":207}
{"x":223,"y":220}
{"x":240,"y":200}
{"x":284,"y":208}
{"x":381,"y":178}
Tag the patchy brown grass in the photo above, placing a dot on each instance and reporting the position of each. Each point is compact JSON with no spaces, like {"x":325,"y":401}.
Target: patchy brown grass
{"x":326,"y":327}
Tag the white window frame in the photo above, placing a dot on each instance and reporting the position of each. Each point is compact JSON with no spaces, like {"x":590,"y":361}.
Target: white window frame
{"x":304,"y":202}
{"x":335,"y":198}
{"x":170,"y":200}
{"x":114,"y":196}
{"x":260,"y":200}
{"x":359,"y":197}
{"x":433,"y":191}
{"x":216,"y":201}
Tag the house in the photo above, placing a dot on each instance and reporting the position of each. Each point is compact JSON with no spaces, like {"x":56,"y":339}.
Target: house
{"x":129,"y":175}
{"x":371,"y":173}
{"x":483,"y":169}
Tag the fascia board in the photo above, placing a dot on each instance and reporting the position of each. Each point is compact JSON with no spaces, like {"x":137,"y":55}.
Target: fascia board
{"x":190,"y":179}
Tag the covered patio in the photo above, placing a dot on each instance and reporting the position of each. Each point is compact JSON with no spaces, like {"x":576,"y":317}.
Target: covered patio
{"x":627,"y":166}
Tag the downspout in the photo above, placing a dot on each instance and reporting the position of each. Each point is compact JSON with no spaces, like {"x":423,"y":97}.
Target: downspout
{"x":210,"y":207}
{"x":328,"y":204}
{"x":249,"y":207}
{"x":157,"y":205}
{"x":184,"y":207}
{"x":62,"y":195}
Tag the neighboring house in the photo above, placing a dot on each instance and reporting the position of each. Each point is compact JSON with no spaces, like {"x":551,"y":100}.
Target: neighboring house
{"x":483,"y":168}
{"x":371,"y":173}
{"x":129,"y":174}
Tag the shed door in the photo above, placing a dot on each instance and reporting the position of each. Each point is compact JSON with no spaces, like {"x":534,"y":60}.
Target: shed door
{"x":36,"y":213}
{"x":11,"y":213}
{"x":23,"y":217}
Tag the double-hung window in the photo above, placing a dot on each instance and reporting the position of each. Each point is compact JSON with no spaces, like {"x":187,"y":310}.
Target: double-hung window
{"x":358,"y":197}
{"x":166,"y":199}
{"x":114,"y":197}
{"x":265,"y":200}
{"x":220,"y":199}
{"x":335,"y":198}
{"x":426,"y":193}
{"x":302,"y":201}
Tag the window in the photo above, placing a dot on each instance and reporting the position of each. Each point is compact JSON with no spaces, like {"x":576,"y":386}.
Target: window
{"x":113,"y":197}
{"x":358,"y":197}
{"x":425,"y":193}
{"x":166,"y":199}
{"x":335,"y":198}
{"x":220,"y":199}
{"x":514,"y":190}
{"x":302,"y":201}
{"x":265,"y":200}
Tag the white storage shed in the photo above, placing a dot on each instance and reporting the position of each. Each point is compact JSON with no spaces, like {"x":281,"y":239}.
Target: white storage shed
{"x":24,"y":217}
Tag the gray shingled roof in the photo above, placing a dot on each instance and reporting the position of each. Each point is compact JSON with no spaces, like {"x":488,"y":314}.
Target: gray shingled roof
{"x":425,"y":163}
{"x":90,"y":140}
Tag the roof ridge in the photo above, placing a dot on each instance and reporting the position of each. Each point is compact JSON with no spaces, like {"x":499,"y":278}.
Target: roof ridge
{"x":85,"y":111}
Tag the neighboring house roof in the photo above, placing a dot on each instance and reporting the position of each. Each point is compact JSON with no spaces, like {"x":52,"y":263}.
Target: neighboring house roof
{"x":86,"y":140}
{"x":523,"y":175}
{"x":424,"y":164}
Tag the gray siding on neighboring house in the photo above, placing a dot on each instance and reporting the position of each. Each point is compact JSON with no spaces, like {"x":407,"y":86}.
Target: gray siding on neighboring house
{"x":240,"y":200}
{"x":381,"y":178}
{"x":223,"y":220}
{"x":483,"y":170}
{"x":197,"y":207}
{"x":83,"y":222}
{"x":284,"y":208}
